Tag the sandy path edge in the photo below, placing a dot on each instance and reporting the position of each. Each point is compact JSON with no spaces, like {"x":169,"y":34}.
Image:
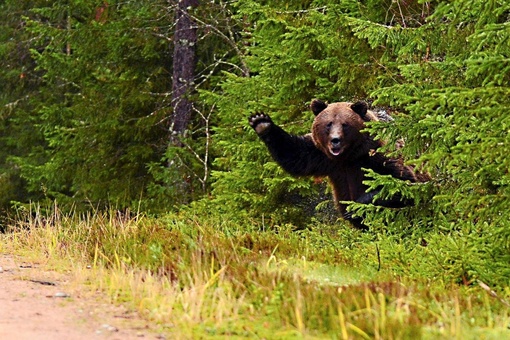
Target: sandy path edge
{"x":32,"y":308}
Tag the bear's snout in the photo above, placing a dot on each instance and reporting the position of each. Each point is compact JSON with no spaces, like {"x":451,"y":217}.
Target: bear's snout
{"x":335,"y":141}
{"x":336,"y":146}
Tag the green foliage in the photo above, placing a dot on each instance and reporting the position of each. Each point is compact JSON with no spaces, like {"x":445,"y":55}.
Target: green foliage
{"x":18,"y":95}
{"x":452,"y":90}
{"x":88,"y":122}
{"x":441,"y":68}
{"x":88,"y":128}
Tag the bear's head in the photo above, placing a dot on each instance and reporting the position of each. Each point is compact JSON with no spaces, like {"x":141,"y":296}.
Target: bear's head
{"x":337,"y":126}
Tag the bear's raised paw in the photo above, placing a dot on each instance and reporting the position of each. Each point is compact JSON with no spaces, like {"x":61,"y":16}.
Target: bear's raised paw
{"x":260,"y":122}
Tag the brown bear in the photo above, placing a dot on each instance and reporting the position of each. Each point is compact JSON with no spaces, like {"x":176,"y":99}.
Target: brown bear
{"x":338,"y":149}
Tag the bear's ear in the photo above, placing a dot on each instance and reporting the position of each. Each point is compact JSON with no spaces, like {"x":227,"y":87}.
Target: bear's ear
{"x":360,"y":108}
{"x":317,"y":106}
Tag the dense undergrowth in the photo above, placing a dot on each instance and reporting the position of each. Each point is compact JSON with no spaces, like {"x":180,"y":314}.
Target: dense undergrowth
{"x":203,"y":275}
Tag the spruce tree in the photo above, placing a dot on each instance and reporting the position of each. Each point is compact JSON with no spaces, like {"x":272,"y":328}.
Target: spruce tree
{"x":448,"y":76}
{"x":441,"y":68}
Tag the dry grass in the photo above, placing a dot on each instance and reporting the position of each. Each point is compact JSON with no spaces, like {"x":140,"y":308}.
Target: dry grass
{"x":199,"y":277}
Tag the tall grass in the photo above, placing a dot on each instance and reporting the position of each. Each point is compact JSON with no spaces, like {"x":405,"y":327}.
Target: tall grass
{"x":203,"y":276}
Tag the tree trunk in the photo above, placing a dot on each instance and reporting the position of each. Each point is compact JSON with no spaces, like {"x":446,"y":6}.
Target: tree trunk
{"x":184,"y":61}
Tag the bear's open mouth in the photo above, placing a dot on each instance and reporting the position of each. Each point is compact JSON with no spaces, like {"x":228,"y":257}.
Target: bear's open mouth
{"x":335,"y":151}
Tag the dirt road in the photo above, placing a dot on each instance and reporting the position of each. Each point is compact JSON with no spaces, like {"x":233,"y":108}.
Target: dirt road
{"x":41,"y":305}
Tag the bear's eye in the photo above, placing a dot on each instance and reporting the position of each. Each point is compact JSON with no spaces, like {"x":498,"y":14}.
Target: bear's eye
{"x":345,"y":125}
{"x":329,"y":125}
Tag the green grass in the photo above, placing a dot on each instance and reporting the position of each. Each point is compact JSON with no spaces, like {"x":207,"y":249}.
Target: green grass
{"x":207,"y":277}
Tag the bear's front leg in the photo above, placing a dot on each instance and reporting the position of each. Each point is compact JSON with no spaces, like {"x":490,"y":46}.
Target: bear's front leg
{"x":295,"y":154}
{"x":261,"y":123}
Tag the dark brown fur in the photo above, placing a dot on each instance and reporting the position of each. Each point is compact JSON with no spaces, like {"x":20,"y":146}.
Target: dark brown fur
{"x":336,"y":148}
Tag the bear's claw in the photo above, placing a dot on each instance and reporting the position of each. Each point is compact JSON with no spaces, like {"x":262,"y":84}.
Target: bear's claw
{"x":260,"y":122}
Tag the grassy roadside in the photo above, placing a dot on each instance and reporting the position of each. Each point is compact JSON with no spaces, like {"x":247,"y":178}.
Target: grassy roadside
{"x":206,"y":277}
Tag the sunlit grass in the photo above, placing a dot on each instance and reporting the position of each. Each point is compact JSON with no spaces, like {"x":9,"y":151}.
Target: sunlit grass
{"x":203,"y":277}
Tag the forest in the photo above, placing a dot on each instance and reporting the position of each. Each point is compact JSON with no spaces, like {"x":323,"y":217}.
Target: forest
{"x":128,"y":108}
